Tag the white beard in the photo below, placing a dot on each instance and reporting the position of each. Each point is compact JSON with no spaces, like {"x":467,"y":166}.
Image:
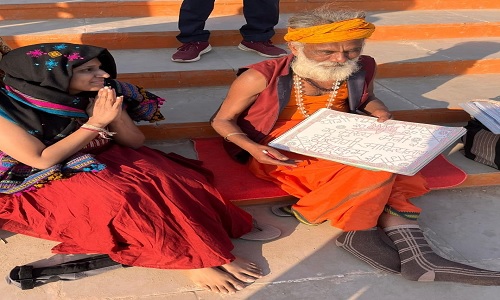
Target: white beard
{"x":323,"y":71}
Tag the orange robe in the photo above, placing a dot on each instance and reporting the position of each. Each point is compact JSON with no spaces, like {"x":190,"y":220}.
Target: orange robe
{"x":350,"y":198}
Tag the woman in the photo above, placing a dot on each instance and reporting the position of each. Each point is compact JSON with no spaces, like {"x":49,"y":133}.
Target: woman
{"x":74,"y":170}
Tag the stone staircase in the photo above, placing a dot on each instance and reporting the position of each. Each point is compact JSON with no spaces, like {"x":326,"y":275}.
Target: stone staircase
{"x":431,"y":55}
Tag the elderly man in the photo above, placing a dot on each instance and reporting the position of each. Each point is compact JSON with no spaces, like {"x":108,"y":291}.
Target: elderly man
{"x":369,"y":211}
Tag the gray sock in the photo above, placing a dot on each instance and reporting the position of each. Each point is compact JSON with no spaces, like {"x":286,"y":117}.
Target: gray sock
{"x":370,"y":247}
{"x":420,"y":263}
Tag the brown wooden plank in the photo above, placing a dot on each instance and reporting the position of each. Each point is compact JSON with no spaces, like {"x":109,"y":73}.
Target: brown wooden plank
{"x":203,"y":129}
{"x":178,"y":131}
{"x":433,"y":116}
{"x":481,"y":179}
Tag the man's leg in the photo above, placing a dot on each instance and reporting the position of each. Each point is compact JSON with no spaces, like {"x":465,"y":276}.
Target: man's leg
{"x":420,"y":263}
{"x":373,"y":247}
{"x":261,"y":17}
{"x":193,"y":36}
{"x":192,"y":18}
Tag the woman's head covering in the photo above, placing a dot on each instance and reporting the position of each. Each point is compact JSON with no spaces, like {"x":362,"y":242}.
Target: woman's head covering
{"x":37,"y":81}
{"x":44,"y":71}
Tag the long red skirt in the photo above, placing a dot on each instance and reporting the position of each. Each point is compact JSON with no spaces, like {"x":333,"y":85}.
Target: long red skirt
{"x":144,"y":209}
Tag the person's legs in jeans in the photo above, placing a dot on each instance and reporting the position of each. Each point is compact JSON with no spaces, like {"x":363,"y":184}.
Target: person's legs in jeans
{"x":261,"y":17}
{"x":193,"y":36}
{"x":192,"y":18}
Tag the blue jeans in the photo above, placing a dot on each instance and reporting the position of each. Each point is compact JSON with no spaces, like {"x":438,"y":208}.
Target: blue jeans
{"x":261,"y":16}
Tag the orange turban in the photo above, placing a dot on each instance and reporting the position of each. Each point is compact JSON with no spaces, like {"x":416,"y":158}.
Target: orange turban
{"x":347,"y":30}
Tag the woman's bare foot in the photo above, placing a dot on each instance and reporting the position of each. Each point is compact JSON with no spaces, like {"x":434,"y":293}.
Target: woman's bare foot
{"x":243,"y":270}
{"x":228,"y":278}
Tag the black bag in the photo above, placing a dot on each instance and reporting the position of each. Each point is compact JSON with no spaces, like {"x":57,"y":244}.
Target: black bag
{"x":45,"y":271}
{"x":481,"y":145}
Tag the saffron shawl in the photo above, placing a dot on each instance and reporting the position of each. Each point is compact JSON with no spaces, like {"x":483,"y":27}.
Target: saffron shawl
{"x":36,"y":98}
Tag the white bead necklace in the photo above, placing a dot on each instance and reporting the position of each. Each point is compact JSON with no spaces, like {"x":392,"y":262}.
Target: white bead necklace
{"x":298,"y":85}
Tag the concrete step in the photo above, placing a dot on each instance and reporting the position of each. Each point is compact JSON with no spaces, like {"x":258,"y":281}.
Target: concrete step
{"x":153,"y":68}
{"x":430,"y":100}
{"x":399,"y":94}
{"x":69,"y":9}
{"x":160,"y":32}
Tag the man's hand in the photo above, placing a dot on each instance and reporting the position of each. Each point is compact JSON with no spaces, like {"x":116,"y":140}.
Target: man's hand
{"x":271,"y":156}
{"x":382,"y":115}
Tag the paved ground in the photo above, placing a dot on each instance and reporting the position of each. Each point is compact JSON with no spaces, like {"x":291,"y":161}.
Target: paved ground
{"x":303,"y":263}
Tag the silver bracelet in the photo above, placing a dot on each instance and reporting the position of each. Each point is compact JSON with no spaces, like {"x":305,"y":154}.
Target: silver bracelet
{"x":101,"y":131}
{"x":233,"y":133}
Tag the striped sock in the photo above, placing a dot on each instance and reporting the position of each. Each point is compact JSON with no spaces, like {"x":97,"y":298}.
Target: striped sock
{"x":369,"y":246}
{"x":420,"y":263}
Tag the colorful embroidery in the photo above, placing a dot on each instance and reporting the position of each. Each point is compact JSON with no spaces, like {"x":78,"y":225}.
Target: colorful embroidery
{"x":50,"y":64}
{"x":141,"y":104}
{"x":74,"y":56}
{"x":54,"y":54}
{"x":16,"y":177}
{"x":404,"y":214}
{"x":46,"y":106}
{"x":35,"y":53}
{"x":61,"y":47}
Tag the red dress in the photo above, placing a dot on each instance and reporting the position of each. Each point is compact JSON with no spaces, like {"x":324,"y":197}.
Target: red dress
{"x":144,"y":209}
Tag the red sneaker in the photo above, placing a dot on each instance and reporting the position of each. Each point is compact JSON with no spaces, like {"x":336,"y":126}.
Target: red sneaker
{"x":191,"y":51}
{"x":266,"y":49}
